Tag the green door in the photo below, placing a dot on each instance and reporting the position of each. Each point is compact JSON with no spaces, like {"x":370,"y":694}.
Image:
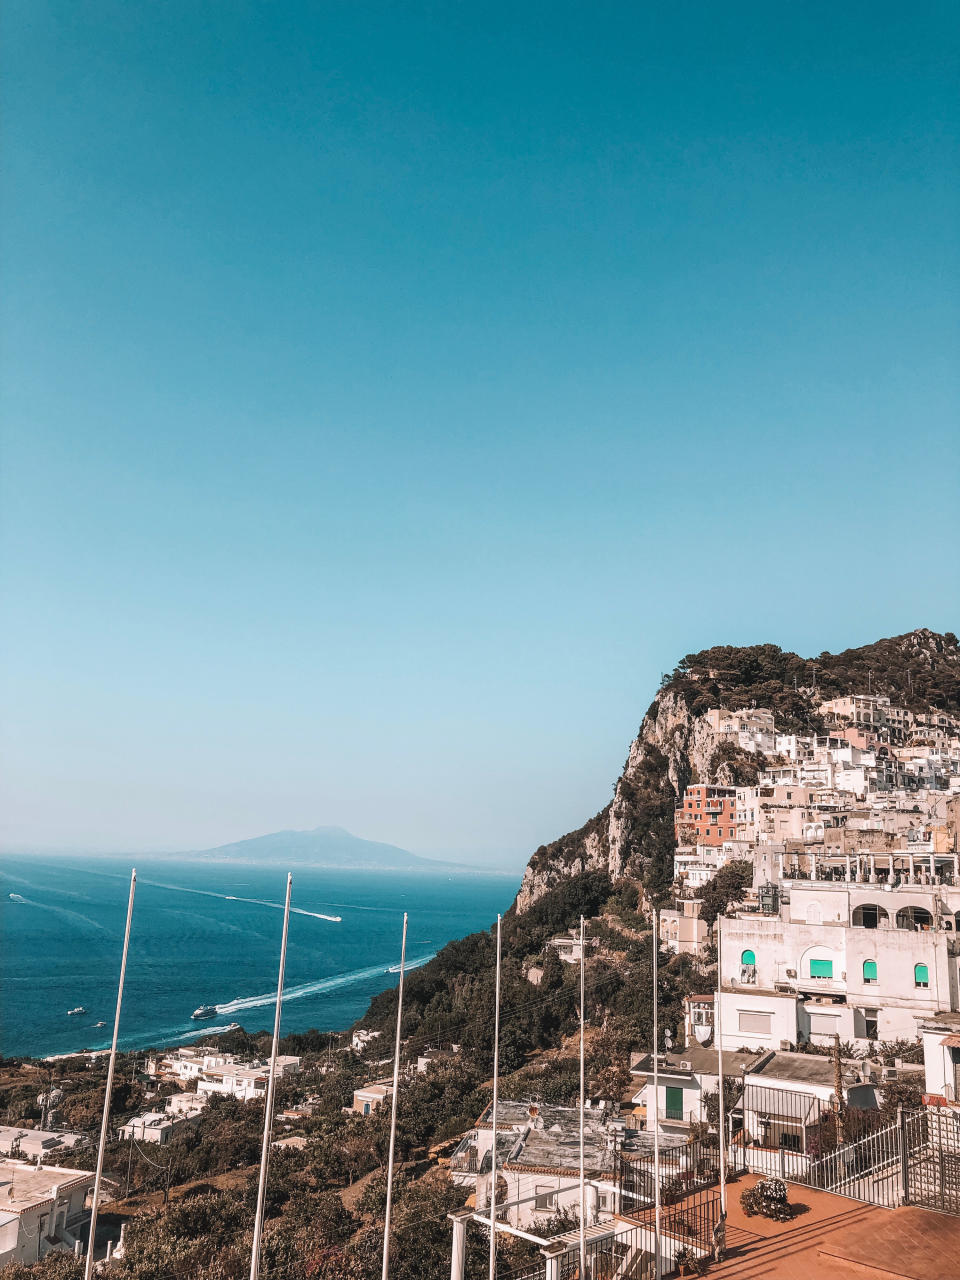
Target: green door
{"x":674,"y":1103}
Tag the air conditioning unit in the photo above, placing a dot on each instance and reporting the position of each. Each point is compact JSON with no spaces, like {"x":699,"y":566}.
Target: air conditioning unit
{"x":889,"y":1073}
{"x":791,"y":973}
{"x":686,"y":1066}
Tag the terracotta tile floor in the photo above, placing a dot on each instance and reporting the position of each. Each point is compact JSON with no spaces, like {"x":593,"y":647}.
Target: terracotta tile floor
{"x":838,"y":1238}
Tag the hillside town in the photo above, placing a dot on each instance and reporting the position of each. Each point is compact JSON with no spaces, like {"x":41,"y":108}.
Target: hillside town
{"x":811,"y":940}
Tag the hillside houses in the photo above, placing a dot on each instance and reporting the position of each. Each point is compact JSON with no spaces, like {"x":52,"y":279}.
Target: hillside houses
{"x":208,"y":1071}
{"x":852,"y":925}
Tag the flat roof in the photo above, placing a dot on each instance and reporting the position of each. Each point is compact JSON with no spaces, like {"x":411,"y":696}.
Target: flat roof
{"x":23,"y":1185}
{"x":701,"y":1059}
{"x":807,"y":1068}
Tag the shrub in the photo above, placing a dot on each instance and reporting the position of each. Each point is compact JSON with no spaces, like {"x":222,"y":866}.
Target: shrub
{"x":768,"y":1199}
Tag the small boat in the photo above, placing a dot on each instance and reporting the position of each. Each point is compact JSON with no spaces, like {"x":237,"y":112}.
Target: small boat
{"x":205,"y":1011}
{"x":78,"y":1009}
{"x":99,"y":1024}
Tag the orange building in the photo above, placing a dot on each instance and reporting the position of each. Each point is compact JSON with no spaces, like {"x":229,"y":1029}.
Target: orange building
{"x":707,"y":815}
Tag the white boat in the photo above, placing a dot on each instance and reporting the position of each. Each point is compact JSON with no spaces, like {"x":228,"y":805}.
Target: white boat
{"x":205,"y":1011}
{"x":78,"y":1009}
{"x":99,"y":1024}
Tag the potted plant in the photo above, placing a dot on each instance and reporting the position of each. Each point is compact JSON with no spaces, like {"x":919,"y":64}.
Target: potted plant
{"x":684,"y":1259}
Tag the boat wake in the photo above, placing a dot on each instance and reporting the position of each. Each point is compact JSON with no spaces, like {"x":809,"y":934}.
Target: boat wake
{"x":59,"y":911}
{"x":233,"y":897}
{"x":207,"y":1031}
{"x":316,"y":988}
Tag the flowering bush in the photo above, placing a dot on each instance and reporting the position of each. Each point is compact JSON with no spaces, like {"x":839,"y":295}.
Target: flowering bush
{"x":768,"y":1199}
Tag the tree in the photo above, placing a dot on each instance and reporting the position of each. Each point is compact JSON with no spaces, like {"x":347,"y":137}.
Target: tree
{"x":729,"y":885}
{"x":901,"y":1092}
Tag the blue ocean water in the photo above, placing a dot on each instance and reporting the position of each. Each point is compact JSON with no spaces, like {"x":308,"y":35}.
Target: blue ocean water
{"x":209,"y":933}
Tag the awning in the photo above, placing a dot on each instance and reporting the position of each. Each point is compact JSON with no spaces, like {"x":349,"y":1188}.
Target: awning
{"x":951,"y":1042}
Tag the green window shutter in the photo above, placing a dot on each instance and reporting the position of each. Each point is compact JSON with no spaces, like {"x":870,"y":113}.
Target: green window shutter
{"x":921,"y":975}
{"x":869,"y":970}
{"x":748,"y":957}
{"x":821,"y":968}
{"x":674,"y":1102}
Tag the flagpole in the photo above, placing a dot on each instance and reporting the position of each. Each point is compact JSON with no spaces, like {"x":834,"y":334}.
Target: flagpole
{"x":268,"y":1105}
{"x":104,"y":1126}
{"x":656,"y":1099}
{"x":718,"y":1035}
{"x":393,"y":1108}
{"x":496,"y":1090}
{"x":583,"y":1189}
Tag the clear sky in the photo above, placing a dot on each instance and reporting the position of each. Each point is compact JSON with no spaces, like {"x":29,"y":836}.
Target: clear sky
{"x":390,"y":393}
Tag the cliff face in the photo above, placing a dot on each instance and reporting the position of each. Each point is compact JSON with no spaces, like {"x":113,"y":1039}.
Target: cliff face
{"x":633,"y":834}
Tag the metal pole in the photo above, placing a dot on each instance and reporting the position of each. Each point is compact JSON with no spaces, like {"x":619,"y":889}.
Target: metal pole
{"x":656,"y":1101}
{"x":583,"y":1188}
{"x":718,"y":1033}
{"x":393,"y":1109}
{"x":268,"y":1105}
{"x":496,"y":1092}
{"x":88,"y":1265}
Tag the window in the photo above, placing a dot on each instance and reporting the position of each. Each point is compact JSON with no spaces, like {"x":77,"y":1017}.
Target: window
{"x":821,"y":968}
{"x":546,"y":1197}
{"x":790,"y":1141}
{"x":757,"y":1024}
{"x":747,"y":957}
{"x":921,"y":975}
{"x":366,"y":1108}
{"x":869,"y":971}
{"x":871,"y":1019}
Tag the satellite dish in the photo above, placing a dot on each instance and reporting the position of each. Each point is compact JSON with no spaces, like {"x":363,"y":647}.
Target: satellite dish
{"x":668,"y":1040}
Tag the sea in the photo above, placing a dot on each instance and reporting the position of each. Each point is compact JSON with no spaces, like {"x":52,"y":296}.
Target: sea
{"x":208,"y":933}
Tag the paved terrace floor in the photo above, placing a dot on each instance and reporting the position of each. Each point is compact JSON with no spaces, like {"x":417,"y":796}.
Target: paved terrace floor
{"x":833,"y":1238}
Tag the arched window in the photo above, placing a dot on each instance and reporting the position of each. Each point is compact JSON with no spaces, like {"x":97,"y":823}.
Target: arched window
{"x":747,"y":957}
{"x":914,"y":918}
{"x":921,"y":975}
{"x":869,"y":971}
{"x":869,"y":916}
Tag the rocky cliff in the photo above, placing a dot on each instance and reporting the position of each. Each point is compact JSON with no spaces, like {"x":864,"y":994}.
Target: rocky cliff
{"x":633,"y":834}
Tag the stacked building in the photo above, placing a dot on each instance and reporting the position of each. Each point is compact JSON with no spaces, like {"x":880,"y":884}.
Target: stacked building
{"x":852,"y":924}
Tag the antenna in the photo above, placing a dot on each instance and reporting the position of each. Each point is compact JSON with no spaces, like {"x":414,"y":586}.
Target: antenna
{"x":496,"y":1096}
{"x":583,"y":1189}
{"x":393,"y":1108}
{"x":268,"y":1105}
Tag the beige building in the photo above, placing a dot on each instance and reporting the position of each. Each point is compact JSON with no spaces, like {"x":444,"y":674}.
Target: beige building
{"x":42,"y":1209}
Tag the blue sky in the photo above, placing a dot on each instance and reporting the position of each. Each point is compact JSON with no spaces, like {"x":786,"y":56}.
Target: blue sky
{"x":391,"y":393}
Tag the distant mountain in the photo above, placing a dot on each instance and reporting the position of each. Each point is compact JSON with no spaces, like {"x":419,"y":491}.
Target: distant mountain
{"x":324,"y":847}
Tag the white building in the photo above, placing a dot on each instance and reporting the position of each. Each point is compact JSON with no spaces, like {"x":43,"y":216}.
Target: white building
{"x":684,"y":1078}
{"x":159,"y":1126}
{"x":538,"y":1157}
{"x":361,"y":1038}
{"x":941,"y":1056}
{"x":36,"y":1144}
{"x":41,"y":1209}
{"x":865,"y":961}
{"x":681,"y":929}
{"x":244,"y":1080}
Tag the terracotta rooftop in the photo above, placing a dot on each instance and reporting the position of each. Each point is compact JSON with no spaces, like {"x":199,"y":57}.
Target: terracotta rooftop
{"x":838,"y":1239}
